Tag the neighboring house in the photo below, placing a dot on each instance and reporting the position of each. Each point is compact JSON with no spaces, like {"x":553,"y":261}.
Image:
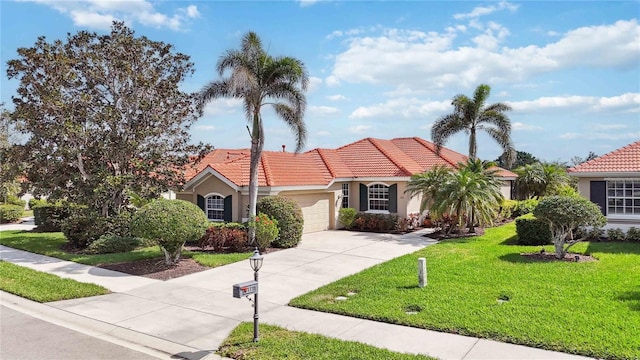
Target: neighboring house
{"x":369,"y":175}
{"x":613,"y":182}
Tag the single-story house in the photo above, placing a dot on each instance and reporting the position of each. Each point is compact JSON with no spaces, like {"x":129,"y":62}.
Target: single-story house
{"x":613,"y":182}
{"x":369,"y":175}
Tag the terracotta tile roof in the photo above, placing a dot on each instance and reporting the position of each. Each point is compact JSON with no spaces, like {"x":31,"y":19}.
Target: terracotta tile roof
{"x":625,"y":159}
{"x":368,"y":157}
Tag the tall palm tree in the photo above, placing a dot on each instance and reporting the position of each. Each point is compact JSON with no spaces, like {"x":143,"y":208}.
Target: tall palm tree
{"x":471,"y":115}
{"x":260,"y":79}
{"x":540,"y":179}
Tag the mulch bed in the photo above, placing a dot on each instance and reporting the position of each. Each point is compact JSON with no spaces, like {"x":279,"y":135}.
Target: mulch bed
{"x":548,"y":256}
{"x":156,"y":268}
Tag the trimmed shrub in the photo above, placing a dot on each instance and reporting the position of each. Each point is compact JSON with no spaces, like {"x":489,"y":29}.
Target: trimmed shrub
{"x":289,"y":216}
{"x":266,"y":230}
{"x":170,"y":223}
{"x":347,"y":216}
{"x":49,"y":216}
{"x":33,"y":202}
{"x":615,"y":234}
{"x":595,"y":234}
{"x":532,"y":231}
{"x":107,"y":244}
{"x":10,"y":213}
{"x":376,"y":222}
{"x":222,"y":238}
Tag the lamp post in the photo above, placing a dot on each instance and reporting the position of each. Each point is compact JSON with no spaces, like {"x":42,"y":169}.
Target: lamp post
{"x":256,"y":263}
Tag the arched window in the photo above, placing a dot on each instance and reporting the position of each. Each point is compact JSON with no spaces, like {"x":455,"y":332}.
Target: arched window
{"x":214,"y":207}
{"x":379,"y":197}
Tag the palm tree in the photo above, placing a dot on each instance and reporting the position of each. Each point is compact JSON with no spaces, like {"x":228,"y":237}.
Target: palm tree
{"x":540,"y":179}
{"x":471,"y":115}
{"x":428,"y":184}
{"x":260,"y":79}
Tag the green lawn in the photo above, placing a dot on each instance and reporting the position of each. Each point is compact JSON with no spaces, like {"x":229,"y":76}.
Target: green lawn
{"x":589,"y":308}
{"x":278,"y":343}
{"x":42,"y":287}
{"x":50,"y":244}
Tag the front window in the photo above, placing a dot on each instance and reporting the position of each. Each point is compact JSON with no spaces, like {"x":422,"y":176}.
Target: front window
{"x":215,"y":208}
{"x":623,"y":197}
{"x":345,"y":196}
{"x":379,"y":197}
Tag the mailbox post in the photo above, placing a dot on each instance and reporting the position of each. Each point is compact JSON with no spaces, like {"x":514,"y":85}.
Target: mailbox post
{"x":251,"y":287}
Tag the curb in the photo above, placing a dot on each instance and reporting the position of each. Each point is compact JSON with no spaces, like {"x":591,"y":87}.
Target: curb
{"x":147,"y":344}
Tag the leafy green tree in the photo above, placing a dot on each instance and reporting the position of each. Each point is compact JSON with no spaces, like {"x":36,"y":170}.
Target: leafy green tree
{"x":522,"y":158}
{"x":9,"y":169}
{"x":540,"y":179}
{"x":470,"y":116}
{"x":170,"y":223}
{"x":565,"y":213}
{"x":259,"y":79}
{"x":103,"y":114}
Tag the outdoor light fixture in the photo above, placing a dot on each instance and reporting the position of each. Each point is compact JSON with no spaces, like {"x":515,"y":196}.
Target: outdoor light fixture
{"x":256,"y":263}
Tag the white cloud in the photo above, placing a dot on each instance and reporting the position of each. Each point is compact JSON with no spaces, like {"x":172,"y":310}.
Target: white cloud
{"x":402,"y":107}
{"x":624,"y":102}
{"x":428,"y":60}
{"x":314,"y":83}
{"x":337,"y":97}
{"x":305,"y":3}
{"x":569,"y":136}
{"x":323,"y":133}
{"x":222,"y":106}
{"x":518,"y":126}
{"x":99,"y":14}
{"x":600,"y":136}
{"x":553,"y":33}
{"x":360,"y":129}
{"x":205,"y":127}
{"x":609,"y":126}
{"x":323,"y":111}
{"x":486,"y":10}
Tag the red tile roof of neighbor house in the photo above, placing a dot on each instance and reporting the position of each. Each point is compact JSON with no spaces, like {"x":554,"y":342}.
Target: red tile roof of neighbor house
{"x":625,"y":159}
{"x":401,"y":157}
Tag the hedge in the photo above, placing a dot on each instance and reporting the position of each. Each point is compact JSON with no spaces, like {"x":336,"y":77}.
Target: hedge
{"x":532,"y":231}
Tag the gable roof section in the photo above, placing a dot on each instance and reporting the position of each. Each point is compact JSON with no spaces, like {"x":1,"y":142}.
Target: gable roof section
{"x":366,"y":158}
{"x":623,"y":160}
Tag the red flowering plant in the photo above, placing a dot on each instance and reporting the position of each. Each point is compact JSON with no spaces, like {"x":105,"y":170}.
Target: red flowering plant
{"x":266,"y":230}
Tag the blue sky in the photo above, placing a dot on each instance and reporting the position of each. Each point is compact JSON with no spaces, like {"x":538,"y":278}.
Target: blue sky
{"x":570,"y":70}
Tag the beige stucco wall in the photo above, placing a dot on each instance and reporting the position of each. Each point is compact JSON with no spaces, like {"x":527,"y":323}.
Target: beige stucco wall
{"x":505,"y":189}
{"x":584,"y":186}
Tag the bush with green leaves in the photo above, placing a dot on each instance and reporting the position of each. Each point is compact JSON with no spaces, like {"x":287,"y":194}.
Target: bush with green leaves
{"x":49,"y":216}
{"x":289,"y":216}
{"x":508,"y":208}
{"x":615,"y":234}
{"x":565,"y":213}
{"x":525,"y":207}
{"x":170,"y":223}
{"x":83,"y":227}
{"x":633,"y":234}
{"x":532,"y":231}
{"x":10,"y":213}
{"x":33,"y":202}
{"x":347,"y":216}
{"x":108,"y":244}
{"x":266,"y":230}
{"x":14,"y":200}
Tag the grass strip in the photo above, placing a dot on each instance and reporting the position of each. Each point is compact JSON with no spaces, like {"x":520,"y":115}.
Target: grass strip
{"x":484,"y":287}
{"x":42,"y":287}
{"x":50,"y":244}
{"x":278,"y":343}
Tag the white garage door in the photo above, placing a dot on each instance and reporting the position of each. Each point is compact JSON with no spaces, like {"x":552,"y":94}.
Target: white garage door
{"x":315,"y":208}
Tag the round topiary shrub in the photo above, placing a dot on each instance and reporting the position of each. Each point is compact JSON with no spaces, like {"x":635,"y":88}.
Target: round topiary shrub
{"x":10,"y":213}
{"x":266,"y":230}
{"x":289,"y":216}
{"x":170,"y":223}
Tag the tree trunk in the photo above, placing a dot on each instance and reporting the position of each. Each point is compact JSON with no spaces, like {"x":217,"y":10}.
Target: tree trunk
{"x":171,"y":258}
{"x":257,"y":144}
{"x":473,"y":148}
{"x":559,"y":245}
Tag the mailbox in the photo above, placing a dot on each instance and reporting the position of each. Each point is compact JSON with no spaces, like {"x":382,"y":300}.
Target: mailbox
{"x":245,"y":288}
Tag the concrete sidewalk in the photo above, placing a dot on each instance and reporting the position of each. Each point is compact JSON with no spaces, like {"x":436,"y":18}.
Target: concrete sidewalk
{"x":196,"y":312}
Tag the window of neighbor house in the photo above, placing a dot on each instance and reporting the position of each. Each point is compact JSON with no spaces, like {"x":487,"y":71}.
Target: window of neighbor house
{"x":623,"y":197}
{"x":215,"y":208}
{"x":345,"y":196}
{"x":379,"y":197}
